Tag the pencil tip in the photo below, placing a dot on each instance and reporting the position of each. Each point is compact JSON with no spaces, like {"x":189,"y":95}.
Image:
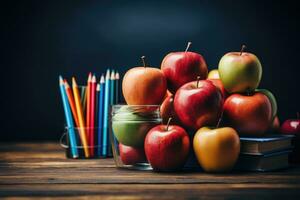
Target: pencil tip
{"x":90,"y":77}
{"x":107,"y":74}
{"x":98,"y":87}
{"x":66,"y":83}
{"x":93,"y":79}
{"x":61,"y":81}
{"x":102,"y":79}
{"x":112,"y":76}
{"x":74,"y":81}
{"x":117,"y":75}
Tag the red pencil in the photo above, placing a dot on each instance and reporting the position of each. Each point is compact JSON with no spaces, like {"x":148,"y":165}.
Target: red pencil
{"x":88,"y":107}
{"x":92,"y":110}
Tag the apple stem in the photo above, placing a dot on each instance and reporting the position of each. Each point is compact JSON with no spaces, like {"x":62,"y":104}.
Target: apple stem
{"x":188,"y":46}
{"x":167,"y":128}
{"x":143,"y":60}
{"x":198,"y":79}
{"x":242,"y":49}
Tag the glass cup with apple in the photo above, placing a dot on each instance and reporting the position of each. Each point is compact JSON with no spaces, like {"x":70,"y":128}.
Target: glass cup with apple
{"x":128,"y":129}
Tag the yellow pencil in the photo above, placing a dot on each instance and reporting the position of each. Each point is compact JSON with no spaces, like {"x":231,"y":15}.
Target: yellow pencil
{"x":80,"y":118}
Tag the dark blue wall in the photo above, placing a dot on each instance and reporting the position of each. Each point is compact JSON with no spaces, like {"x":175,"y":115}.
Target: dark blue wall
{"x":42,"y":39}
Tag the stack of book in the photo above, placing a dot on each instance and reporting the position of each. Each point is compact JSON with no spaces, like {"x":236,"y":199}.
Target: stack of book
{"x":264,"y":153}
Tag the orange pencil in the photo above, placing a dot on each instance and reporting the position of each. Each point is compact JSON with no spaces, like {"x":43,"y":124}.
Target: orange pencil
{"x":71,"y":101}
{"x":88,"y":105}
{"x":92,"y":117}
{"x":80,"y":118}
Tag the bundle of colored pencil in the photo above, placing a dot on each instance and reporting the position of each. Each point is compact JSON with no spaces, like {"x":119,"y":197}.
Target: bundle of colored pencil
{"x":87,"y":113}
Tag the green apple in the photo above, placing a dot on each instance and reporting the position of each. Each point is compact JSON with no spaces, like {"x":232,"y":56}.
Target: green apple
{"x":131,"y":128}
{"x":213,"y":74}
{"x":272,"y":100}
{"x":132,"y":133}
{"x":240,"y":71}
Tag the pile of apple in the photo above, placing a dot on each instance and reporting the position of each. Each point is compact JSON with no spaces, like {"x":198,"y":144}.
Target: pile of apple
{"x":205,"y":111}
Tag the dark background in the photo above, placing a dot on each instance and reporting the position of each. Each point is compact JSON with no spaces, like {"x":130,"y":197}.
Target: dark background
{"x":42,"y":39}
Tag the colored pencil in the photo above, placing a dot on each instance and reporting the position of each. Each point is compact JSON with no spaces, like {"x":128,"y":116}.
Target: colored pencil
{"x":92,"y":117}
{"x":82,"y":129}
{"x":117,"y":88}
{"x":88,"y":106}
{"x":97,"y":103}
{"x":112,"y":102}
{"x":100,"y":115}
{"x":112,"y":88}
{"x":83,"y":99}
{"x":106,"y":113}
{"x":96,"y":118}
{"x":71,"y":101}
{"x":68,"y":116}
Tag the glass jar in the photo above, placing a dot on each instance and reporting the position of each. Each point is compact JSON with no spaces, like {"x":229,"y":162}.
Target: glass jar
{"x":128,"y":129}
{"x":77,"y":149}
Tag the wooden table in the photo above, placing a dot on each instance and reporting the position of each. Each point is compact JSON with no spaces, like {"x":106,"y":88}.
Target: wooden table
{"x":40,"y":170}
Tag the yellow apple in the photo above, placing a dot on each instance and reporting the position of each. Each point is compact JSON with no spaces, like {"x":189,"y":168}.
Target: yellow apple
{"x":213,"y":74}
{"x":217,"y":150}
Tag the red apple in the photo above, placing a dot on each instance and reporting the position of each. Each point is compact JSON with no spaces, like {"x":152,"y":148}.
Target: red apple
{"x":219,"y":84}
{"x":198,"y":103}
{"x":248,"y":114}
{"x":167,"y":110}
{"x":144,"y":86}
{"x":183,"y":67}
{"x":131,"y":155}
{"x":292,"y":126}
{"x":167,"y":147}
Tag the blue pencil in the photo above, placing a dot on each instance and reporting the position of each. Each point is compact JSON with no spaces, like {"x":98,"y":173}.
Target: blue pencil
{"x":100,"y":115}
{"x":112,"y":102}
{"x":68,"y":115}
{"x":106,"y":113}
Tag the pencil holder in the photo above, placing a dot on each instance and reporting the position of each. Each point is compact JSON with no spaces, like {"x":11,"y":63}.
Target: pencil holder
{"x":129,"y":125}
{"x":86,"y":143}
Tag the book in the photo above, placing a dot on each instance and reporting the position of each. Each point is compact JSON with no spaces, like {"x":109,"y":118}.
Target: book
{"x":266,"y":162}
{"x":265,"y":145}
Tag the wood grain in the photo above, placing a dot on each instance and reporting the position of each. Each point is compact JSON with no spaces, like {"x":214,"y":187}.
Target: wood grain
{"x":40,"y":170}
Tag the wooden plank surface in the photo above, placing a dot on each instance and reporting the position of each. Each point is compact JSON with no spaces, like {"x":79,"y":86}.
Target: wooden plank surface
{"x":40,"y":170}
